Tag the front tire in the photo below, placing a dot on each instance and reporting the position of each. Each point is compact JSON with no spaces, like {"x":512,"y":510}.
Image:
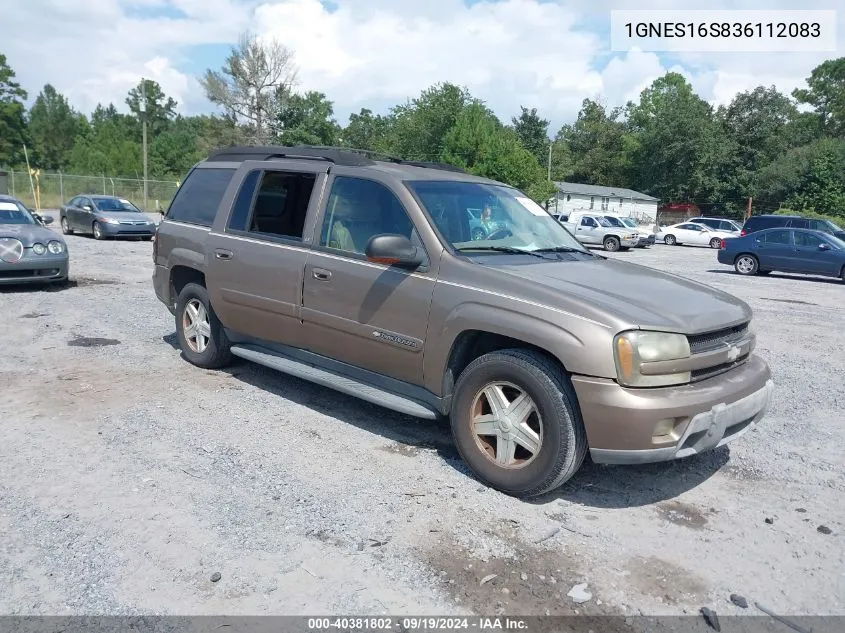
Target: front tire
{"x":97,"y":230}
{"x":516,"y":422}
{"x":66,"y":230}
{"x":716,"y":243}
{"x":670,"y":240}
{"x":201,"y":335}
{"x":747,"y":265}
{"x":611,"y":244}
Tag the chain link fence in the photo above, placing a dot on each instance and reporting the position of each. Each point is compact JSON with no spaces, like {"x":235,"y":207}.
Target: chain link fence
{"x":53,"y":189}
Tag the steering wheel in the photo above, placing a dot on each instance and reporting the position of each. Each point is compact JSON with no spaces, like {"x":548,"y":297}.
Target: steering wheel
{"x":500,"y":234}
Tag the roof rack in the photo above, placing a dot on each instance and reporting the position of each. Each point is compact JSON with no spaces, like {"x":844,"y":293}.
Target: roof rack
{"x":349,"y":157}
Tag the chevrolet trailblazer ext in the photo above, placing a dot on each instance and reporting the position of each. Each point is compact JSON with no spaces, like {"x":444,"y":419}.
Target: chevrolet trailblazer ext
{"x":363,"y":275}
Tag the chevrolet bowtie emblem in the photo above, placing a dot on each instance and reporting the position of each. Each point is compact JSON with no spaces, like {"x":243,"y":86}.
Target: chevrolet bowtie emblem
{"x":733,"y":352}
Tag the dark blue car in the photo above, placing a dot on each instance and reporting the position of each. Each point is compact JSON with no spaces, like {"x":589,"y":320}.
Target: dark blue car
{"x":786,"y":250}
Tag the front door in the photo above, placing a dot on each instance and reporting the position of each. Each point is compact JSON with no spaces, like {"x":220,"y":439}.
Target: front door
{"x":81,"y":218}
{"x":369,"y":315}
{"x":256,"y":256}
{"x":815,"y":254}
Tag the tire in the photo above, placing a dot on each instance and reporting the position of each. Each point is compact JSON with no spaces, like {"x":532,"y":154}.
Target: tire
{"x":669,"y":240}
{"x":555,"y":414}
{"x":215,"y":353}
{"x":66,"y":230}
{"x":716,"y":243}
{"x":842,"y":274}
{"x":611,"y":244}
{"x":746,"y":265}
{"x":97,"y":230}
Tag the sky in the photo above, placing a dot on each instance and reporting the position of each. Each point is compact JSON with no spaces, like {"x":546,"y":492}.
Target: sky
{"x":548,"y":54}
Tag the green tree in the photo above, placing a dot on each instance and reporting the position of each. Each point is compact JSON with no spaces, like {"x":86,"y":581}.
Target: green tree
{"x":307,"y":120}
{"x":679,"y":147}
{"x":369,"y":132}
{"x":479,"y":143}
{"x":533,"y":132}
{"x":421,"y":125}
{"x":13,"y":132}
{"x":826,"y":93}
{"x":53,"y":126}
{"x":160,"y":109}
{"x":599,"y":146}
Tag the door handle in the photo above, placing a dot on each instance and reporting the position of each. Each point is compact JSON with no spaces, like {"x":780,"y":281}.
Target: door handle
{"x":322,"y":275}
{"x":223,"y":254}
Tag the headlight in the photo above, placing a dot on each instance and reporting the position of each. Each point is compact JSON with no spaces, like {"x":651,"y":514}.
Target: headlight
{"x":633,"y":349}
{"x":39,"y":249}
{"x":55,"y":247}
{"x":110,"y":221}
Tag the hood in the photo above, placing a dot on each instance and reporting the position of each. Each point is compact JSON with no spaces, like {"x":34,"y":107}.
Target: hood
{"x":128,"y":216}
{"x":641,"y":296}
{"x":29,"y":234}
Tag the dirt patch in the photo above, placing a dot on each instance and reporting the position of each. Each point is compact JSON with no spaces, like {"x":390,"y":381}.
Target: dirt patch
{"x":806,"y":303}
{"x":91,"y":281}
{"x":84,"y":341}
{"x":34,"y":315}
{"x":665,"y":581}
{"x":683,"y":514}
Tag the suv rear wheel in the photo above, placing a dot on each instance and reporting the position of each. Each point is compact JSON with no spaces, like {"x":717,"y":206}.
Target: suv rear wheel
{"x":201,"y":336}
{"x":516,"y":422}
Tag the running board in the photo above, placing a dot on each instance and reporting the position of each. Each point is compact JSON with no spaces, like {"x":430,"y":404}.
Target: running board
{"x":334,"y":381}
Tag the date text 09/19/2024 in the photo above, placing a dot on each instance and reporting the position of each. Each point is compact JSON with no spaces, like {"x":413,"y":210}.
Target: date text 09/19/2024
{"x":417,"y":624}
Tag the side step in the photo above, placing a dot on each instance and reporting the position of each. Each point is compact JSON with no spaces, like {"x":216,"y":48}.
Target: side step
{"x":334,"y":381}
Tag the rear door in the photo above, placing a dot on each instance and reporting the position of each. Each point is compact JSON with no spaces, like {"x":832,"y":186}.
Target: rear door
{"x":366,"y":314}
{"x":256,"y":254}
{"x":775,"y":250}
{"x":687,"y":234}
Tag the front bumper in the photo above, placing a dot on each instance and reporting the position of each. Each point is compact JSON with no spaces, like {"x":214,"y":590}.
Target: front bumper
{"x":629,"y":243}
{"x":128,"y":230}
{"x":621,"y":422}
{"x":646,"y":240}
{"x":34,"y":269}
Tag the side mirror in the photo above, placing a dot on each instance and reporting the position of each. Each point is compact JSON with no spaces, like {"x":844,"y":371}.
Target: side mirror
{"x":46,"y":219}
{"x":87,"y":207}
{"x":394,"y":250}
{"x":824,"y":246}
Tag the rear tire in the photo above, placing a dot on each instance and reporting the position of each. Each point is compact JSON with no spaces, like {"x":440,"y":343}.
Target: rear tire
{"x":552,"y":425}
{"x":66,"y":230}
{"x":715,"y":243}
{"x":669,"y":240}
{"x":201,"y":335}
{"x":611,"y":244}
{"x":747,"y":265}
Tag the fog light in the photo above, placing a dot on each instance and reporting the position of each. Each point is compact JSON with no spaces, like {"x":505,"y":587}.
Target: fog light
{"x":666,"y":430}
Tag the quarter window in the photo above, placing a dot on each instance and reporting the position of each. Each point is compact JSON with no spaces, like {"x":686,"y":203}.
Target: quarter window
{"x":357,"y":210}
{"x":197,"y":200}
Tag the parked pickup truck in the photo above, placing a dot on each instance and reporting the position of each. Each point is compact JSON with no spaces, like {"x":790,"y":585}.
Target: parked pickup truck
{"x":595,"y":229}
{"x":364,"y":276}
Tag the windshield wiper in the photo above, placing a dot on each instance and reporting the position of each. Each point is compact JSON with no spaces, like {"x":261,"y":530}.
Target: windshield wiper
{"x":564,"y":249}
{"x":502,"y":249}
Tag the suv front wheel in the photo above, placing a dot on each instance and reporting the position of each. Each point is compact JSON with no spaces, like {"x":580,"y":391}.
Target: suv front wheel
{"x":200,"y":333}
{"x":516,"y":422}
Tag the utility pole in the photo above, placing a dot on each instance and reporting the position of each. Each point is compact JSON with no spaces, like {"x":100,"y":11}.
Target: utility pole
{"x":748,"y":215}
{"x":143,"y":111}
{"x":550,"y":161}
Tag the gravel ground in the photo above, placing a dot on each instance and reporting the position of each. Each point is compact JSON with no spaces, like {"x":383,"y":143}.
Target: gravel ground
{"x":129,"y":477}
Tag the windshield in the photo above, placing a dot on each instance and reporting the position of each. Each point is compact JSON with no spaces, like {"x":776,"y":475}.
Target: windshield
{"x":509,"y":220}
{"x":833,"y":225}
{"x":629,"y":223}
{"x":14,"y":213}
{"x":115,"y":204}
{"x":614,"y":221}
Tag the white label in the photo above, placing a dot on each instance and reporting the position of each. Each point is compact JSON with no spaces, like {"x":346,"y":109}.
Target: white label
{"x":532,"y":206}
{"x":8,"y":206}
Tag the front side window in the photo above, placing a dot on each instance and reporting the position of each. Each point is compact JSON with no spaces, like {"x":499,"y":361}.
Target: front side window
{"x":358,"y":210}
{"x":800,"y":223}
{"x":520,"y":223}
{"x":588,"y":222}
{"x":807,"y":240}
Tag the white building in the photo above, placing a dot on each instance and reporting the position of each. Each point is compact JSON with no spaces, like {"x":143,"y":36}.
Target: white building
{"x":576,"y":197}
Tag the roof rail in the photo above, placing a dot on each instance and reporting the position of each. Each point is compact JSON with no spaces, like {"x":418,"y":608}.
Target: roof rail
{"x":338,"y":155}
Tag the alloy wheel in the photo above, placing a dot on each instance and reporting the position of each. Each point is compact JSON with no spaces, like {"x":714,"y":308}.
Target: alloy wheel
{"x":506,"y":425}
{"x":196,"y":326}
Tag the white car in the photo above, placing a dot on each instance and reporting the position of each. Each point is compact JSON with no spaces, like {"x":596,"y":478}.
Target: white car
{"x":693,"y":234}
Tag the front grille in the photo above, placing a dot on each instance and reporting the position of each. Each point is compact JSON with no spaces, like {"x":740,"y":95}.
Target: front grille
{"x":709,"y":341}
{"x":25,"y":273}
{"x":709,"y":372}
{"x":133,"y":223}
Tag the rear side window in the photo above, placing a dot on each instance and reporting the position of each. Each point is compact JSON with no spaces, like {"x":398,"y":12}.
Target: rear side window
{"x":243,"y":202}
{"x":281,"y":204}
{"x":800,"y":223}
{"x":777,"y":237}
{"x":197,"y":200}
{"x":759,"y":223}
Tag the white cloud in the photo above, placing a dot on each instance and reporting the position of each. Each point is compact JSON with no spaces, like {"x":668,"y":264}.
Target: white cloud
{"x":373,"y":53}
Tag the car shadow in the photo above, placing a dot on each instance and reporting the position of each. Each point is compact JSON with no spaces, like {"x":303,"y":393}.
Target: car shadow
{"x":594,"y":485}
{"x":778,"y":275}
{"x":28,"y":288}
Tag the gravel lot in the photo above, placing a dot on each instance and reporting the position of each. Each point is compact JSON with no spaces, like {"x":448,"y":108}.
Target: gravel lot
{"x":129,"y":477}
